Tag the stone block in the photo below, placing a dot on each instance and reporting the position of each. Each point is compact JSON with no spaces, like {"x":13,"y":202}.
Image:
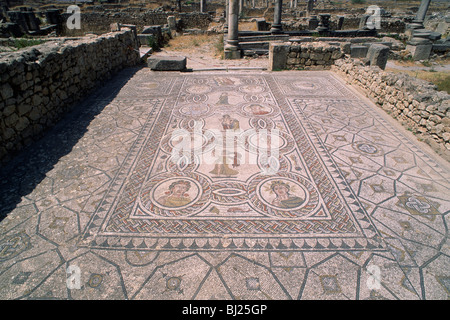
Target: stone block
{"x":156,"y":31}
{"x":435,"y":36}
{"x":313,"y":23}
{"x":377,"y":55}
{"x":11,"y":29}
{"x":346,"y":47}
{"x":232,"y":54}
{"x":171,"y":22}
{"x":442,"y":27}
{"x":316,"y":56}
{"x":6,"y":91}
{"x":113,"y":27}
{"x":278,"y":54}
{"x":151,"y":30}
{"x":441,"y":47}
{"x":167,"y":63}
{"x":358,"y":51}
{"x":420,"y":52}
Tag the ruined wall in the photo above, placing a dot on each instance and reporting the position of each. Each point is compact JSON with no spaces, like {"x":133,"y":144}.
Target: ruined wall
{"x":303,"y":56}
{"x":99,"y":21}
{"x":39,"y":84}
{"x":350,"y":22}
{"x":415,"y":103}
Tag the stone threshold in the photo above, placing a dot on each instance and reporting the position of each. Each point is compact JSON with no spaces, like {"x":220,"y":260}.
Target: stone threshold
{"x":230,"y":69}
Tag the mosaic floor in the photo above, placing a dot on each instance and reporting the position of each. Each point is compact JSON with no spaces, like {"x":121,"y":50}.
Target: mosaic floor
{"x":286,"y":185}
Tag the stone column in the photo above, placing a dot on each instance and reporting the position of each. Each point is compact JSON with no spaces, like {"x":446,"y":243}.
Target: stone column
{"x":202,"y":5}
{"x":310,"y":7}
{"x":227,"y":13}
{"x":420,"y":16}
{"x":276,"y":26}
{"x":417,"y":34}
{"x":241,"y":5}
{"x":231,"y":49}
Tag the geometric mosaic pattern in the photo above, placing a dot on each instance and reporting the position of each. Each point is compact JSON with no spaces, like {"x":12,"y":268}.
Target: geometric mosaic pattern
{"x":356,"y":208}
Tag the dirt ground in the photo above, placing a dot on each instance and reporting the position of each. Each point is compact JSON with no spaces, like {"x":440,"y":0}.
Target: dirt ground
{"x":204,"y":52}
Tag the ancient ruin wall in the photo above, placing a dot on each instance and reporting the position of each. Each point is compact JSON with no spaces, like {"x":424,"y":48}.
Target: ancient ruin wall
{"x":303,"y":56}
{"x":415,"y":103}
{"x":39,"y":84}
{"x":99,"y":22}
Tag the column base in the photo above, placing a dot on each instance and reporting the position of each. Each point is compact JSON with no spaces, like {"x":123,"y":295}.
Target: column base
{"x":420,"y":37}
{"x":416,"y":24}
{"x":420,"y":52}
{"x":276,"y":30}
{"x":232,"y":53}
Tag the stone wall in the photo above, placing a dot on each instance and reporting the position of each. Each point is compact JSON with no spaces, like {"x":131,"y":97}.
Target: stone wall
{"x":99,"y":22}
{"x":302,"y":56}
{"x":40,"y":83}
{"x":415,"y":103}
{"x":350,"y":22}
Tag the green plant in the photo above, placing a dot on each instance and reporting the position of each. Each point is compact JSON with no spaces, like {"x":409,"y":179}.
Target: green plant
{"x":152,"y":43}
{"x":444,"y":84}
{"x":407,"y":58}
{"x":358,"y":1}
{"x":318,"y":35}
{"x":23,"y":43}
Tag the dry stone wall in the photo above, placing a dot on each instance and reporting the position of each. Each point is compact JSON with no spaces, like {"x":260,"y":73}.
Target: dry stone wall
{"x":99,"y":22}
{"x":415,"y":103}
{"x":39,"y":84}
{"x":303,"y":56}
{"x":350,"y":22}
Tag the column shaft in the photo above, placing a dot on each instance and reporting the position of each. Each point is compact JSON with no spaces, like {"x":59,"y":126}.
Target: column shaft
{"x":232,"y":46}
{"x":276,"y":26}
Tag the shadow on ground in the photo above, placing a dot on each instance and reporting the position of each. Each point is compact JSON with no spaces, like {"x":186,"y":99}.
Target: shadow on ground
{"x":28,"y":168}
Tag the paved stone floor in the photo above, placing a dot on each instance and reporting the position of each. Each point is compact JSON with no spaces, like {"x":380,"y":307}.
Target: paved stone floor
{"x":107,"y":206}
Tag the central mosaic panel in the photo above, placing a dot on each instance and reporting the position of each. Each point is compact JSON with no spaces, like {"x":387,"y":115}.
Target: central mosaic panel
{"x":271,"y":186}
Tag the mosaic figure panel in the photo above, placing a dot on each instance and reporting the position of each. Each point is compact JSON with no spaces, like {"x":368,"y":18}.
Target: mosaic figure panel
{"x":236,"y":168}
